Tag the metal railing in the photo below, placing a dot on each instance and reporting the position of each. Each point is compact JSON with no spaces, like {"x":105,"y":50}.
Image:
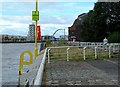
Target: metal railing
{"x":34,"y":73}
{"x":38,"y":79}
{"x":82,"y":52}
{"x":91,"y":43}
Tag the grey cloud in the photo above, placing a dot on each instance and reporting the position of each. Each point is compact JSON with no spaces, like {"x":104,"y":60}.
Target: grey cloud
{"x":68,"y":19}
{"x":13,"y":32}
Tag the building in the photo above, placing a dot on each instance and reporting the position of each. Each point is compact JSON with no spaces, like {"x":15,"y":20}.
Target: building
{"x":73,"y":31}
{"x":31,"y":33}
{"x":12,"y":38}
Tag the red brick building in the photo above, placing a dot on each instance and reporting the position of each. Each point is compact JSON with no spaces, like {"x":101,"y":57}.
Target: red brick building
{"x":74,"y":31}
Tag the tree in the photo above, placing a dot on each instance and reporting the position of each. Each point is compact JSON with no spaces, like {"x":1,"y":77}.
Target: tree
{"x":87,"y":28}
{"x":102,"y":22}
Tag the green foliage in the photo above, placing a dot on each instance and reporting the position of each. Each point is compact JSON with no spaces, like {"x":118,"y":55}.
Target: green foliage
{"x":114,"y":37}
{"x":48,"y":43}
{"x":87,"y":30}
{"x":62,"y":42}
{"x":101,"y":22}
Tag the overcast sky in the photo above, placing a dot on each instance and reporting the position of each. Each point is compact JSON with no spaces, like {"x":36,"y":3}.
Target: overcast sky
{"x":15,"y":16}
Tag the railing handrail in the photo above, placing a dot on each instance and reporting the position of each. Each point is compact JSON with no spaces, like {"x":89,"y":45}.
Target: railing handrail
{"x":108,"y":47}
{"x":77,"y":46}
{"x":91,"y":42}
{"x":38,"y":79}
{"x":39,"y":75}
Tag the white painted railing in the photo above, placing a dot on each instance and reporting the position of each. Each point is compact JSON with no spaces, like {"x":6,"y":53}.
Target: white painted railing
{"x":38,"y":79}
{"x":91,"y":43}
{"x":109,"y":49}
{"x":35,"y":73}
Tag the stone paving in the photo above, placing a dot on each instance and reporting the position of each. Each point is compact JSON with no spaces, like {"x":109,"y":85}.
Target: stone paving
{"x":80,"y":73}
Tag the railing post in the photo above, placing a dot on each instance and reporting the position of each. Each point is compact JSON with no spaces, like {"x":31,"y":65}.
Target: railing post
{"x":95,"y":52}
{"x":84,"y":53}
{"x":68,"y":54}
{"x":110,"y":51}
{"x":48,"y":55}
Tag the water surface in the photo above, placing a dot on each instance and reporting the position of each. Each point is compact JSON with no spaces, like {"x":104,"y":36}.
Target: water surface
{"x":10,"y":61}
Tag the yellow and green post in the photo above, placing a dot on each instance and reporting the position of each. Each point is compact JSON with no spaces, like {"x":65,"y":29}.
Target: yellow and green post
{"x":35,"y":17}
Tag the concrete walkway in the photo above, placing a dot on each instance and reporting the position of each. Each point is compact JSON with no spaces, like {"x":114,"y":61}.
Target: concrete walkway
{"x":95,"y":72}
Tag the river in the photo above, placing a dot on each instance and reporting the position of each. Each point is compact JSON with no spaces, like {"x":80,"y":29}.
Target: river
{"x":10,"y":61}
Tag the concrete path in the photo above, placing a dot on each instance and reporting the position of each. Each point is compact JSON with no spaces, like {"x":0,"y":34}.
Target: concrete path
{"x":97,"y":72}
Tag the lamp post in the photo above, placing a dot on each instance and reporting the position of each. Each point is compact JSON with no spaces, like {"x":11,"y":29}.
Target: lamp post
{"x":64,"y":35}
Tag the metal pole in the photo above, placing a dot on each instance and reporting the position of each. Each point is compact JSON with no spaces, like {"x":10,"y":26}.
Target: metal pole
{"x":64,"y":35}
{"x":109,"y":51}
{"x":68,"y":54}
{"x":48,"y":55}
{"x":95,"y":52}
{"x":36,"y":47}
{"x":84,"y":53}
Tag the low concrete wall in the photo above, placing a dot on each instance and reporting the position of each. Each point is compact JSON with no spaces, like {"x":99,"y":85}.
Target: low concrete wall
{"x":32,"y":74}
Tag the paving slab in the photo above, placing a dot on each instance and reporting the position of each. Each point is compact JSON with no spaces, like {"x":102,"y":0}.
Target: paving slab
{"x":81,"y":73}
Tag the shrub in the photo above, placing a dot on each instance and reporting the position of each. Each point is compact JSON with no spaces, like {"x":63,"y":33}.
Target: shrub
{"x":114,"y":37}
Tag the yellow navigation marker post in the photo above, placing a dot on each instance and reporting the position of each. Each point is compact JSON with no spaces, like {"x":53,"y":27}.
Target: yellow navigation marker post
{"x":22,"y":62}
{"x":35,"y":17}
